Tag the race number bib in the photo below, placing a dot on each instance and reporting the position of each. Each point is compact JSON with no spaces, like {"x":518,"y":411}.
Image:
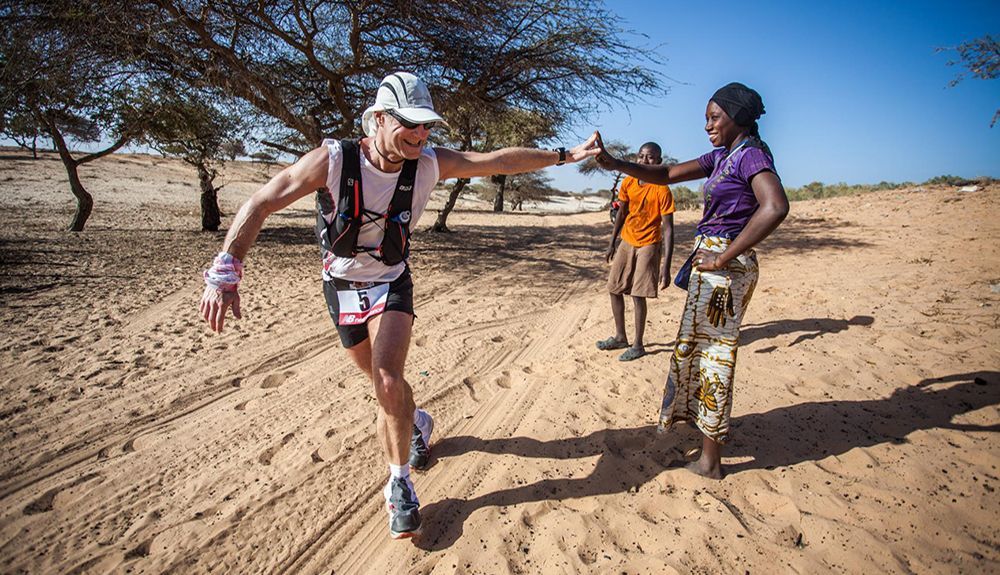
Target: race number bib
{"x":359,"y":304}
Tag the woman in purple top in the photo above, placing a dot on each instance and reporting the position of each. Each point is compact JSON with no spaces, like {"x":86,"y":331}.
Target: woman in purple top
{"x":744,"y":203}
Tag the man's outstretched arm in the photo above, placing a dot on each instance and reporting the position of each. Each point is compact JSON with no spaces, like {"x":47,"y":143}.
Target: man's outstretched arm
{"x":455,"y":164}
{"x":304,"y":176}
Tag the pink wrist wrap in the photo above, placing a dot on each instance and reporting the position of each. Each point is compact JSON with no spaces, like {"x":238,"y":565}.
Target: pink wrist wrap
{"x":225,"y":273}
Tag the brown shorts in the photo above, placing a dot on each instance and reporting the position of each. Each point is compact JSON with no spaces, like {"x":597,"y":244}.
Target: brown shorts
{"x":636,"y":271}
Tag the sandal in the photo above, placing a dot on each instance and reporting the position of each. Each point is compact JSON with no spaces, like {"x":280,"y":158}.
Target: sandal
{"x":611,"y":343}
{"x":631,"y":353}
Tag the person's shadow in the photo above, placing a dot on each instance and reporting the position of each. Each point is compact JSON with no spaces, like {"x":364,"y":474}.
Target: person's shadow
{"x":631,"y":457}
{"x":811,"y":328}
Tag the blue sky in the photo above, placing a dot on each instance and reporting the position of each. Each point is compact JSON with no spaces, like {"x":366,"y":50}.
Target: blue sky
{"x":854,"y":91}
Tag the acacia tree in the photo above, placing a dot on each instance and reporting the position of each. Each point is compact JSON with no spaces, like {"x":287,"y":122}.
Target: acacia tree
{"x":554,"y":62}
{"x":197,"y":130}
{"x":517,"y":128}
{"x":534,"y":186}
{"x":483,"y":127}
{"x":982,"y":58}
{"x":22,"y":128}
{"x":621,"y":150}
{"x":53,"y":85}
{"x":312,"y":67}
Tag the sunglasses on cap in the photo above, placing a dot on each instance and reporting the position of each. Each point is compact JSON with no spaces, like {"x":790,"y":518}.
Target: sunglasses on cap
{"x":408,"y":124}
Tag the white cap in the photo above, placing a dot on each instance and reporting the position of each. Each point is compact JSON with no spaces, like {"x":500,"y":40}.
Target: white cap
{"x":407,"y":95}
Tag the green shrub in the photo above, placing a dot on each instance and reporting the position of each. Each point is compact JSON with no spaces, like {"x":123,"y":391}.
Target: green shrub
{"x":685,"y":198}
{"x":948,"y":180}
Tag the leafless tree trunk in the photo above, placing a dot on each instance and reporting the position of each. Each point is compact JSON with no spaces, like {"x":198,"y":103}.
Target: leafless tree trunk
{"x":441,"y":224}
{"x":501,"y":181}
{"x":84,"y":201}
{"x":211,"y":216}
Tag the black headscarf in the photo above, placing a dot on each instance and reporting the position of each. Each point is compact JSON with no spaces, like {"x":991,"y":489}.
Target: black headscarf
{"x":744,"y":106}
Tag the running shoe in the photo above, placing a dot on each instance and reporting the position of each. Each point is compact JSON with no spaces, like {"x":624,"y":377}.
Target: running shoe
{"x":403,"y":507}
{"x":420,"y":442}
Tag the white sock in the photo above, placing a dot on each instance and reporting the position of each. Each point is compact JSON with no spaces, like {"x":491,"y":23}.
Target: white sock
{"x":400,"y":471}
{"x":416,"y":417}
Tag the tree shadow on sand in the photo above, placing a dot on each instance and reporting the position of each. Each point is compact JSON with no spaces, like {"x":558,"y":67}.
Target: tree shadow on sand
{"x":784,"y":436}
{"x":812,"y":328}
{"x":476,"y":249}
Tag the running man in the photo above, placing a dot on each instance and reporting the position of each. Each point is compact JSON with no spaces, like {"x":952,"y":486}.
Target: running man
{"x":369,"y":291}
{"x":645,"y":217}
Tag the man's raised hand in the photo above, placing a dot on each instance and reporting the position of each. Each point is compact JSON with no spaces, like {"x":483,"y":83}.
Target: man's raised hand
{"x":588,"y":149}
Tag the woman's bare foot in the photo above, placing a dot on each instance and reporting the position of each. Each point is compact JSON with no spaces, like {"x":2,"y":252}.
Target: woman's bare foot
{"x":710,"y":463}
{"x":709,"y":471}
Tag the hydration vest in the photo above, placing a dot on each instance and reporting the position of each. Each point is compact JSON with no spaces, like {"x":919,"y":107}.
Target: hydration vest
{"x":340,"y":236}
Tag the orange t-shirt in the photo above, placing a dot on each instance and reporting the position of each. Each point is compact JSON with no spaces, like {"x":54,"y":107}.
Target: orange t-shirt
{"x":647,"y":203}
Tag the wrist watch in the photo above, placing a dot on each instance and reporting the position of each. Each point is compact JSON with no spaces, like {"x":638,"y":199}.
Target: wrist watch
{"x":562,"y":155}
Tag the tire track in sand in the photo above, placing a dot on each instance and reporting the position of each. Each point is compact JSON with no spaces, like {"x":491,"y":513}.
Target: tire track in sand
{"x":368,"y":546}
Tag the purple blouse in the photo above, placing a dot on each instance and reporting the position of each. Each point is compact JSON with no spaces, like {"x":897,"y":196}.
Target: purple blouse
{"x":729,"y":200}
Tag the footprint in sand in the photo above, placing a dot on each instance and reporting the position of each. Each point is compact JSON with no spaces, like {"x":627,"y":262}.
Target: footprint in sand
{"x":503,"y":380}
{"x":470,"y":384}
{"x":134,"y":444}
{"x":420,"y":341}
{"x":47,"y":501}
{"x":246,"y":404}
{"x":141,"y":550}
{"x":44,"y":503}
{"x":276,"y":379}
{"x":628,"y":446}
{"x":269,"y":453}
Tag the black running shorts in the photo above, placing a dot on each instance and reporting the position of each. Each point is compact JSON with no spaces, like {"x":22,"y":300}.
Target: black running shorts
{"x":400,"y":298}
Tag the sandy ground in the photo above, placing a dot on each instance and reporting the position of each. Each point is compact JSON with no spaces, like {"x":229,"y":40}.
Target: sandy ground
{"x":136,"y":441}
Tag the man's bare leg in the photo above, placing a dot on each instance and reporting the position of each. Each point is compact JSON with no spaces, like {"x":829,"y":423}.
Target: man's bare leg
{"x":640,"y":323}
{"x":361,"y":354}
{"x":390,"y":335}
{"x":618,"y":311}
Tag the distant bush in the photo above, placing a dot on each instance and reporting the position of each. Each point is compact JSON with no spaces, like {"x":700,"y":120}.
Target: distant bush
{"x":685,"y":198}
{"x":481,"y":191}
{"x":948,"y":180}
{"x":265,"y":157}
{"x":817,"y":190}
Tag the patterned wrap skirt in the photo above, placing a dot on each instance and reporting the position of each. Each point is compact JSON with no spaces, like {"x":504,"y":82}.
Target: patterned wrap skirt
{"x":699,"y":386}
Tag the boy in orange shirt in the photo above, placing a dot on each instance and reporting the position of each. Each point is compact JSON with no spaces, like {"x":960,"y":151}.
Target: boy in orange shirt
{"x":645,"y":218}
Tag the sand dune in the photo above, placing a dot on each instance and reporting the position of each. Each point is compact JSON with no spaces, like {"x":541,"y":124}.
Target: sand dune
{"x":865,"y":419}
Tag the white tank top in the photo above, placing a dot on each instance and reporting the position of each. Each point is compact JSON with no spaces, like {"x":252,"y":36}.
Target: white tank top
{"x":378,"y":188}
